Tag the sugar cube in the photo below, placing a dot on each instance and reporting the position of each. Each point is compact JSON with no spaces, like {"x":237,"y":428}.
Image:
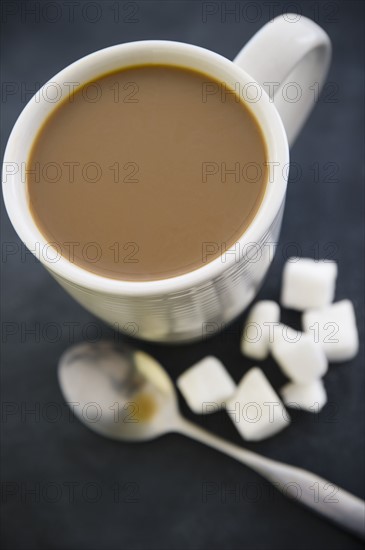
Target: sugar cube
{"x":255,"y":408}
{"x":256,"y":334}
{"x":334,"y":328}
{"x":308,"y":283}
{"x":299,"y":357}
{"x":206,"y":385}
{"x":309,"y":397}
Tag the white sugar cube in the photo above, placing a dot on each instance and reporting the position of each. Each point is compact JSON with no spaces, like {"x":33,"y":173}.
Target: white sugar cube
{"x":206,"y":385}
{"x":256,"y":334}
{"x":309,"y":397}
{"x":334,"y":327}
{"x":255,"y":409}
{"x":308,"y":284}
{"x":299,"y":357}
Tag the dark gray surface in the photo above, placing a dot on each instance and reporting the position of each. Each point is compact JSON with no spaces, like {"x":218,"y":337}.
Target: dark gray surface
{"x":160,"y":498}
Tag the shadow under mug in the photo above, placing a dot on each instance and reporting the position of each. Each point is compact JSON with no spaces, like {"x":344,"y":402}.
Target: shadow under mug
{"x":279,"y":67}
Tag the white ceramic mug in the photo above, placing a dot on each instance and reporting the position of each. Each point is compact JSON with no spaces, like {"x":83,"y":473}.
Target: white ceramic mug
{"x":288,"y":56}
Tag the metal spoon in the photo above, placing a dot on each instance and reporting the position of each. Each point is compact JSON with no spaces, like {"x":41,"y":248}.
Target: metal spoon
{"x":129,"y":396}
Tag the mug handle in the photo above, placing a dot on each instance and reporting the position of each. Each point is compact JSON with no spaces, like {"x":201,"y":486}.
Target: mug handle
{"x":289,"y":57}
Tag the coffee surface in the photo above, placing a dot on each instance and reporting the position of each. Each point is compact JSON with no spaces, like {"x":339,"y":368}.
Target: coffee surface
{"x":147,"y":173}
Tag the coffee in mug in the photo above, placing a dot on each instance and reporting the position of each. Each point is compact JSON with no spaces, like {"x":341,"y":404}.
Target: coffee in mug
{"x":147,"y":172}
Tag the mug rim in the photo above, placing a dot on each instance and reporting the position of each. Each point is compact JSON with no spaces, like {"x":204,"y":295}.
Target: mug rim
{"x":277,"y":151}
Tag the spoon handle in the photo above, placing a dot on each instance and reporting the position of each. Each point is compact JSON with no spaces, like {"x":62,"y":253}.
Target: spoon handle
{"x":317,"y":493}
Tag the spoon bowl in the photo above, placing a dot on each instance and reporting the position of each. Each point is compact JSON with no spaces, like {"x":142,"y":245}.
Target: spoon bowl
{"x":118,"y":392}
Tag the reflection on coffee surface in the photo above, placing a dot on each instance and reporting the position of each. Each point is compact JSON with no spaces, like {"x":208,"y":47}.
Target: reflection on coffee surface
{"x":147,"y":173}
